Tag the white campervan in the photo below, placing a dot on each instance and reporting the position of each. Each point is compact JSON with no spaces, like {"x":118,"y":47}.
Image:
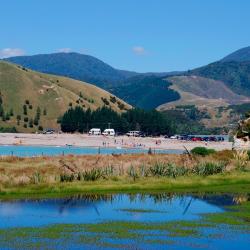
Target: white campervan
{"x":109,"y":131}
{"x":133,"y":133}
{"x":95,"y":131}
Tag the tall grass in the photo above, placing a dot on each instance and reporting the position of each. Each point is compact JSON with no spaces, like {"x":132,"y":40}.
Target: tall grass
{"x":241,"y":159}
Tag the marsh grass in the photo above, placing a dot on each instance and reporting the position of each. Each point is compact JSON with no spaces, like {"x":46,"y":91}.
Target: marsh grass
{"x":126,"y":170}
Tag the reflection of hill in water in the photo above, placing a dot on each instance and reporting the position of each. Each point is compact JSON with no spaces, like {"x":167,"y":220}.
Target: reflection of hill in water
{"x":85,"y":201}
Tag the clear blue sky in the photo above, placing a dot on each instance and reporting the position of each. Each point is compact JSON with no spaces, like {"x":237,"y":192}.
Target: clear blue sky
{"x":141,"y":35}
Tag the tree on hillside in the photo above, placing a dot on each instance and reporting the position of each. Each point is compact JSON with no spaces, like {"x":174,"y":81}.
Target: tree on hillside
{"x":18,"y":118}
{"x":25,"y":109}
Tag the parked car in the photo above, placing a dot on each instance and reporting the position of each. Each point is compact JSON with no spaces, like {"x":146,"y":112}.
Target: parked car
{"x":49,"y":131}
{"x":109,"y":131}
{"x":95,"y":131}
{"x":197,"y":139}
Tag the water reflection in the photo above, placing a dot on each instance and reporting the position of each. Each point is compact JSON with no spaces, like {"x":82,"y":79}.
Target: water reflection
{"x":88,"y":208}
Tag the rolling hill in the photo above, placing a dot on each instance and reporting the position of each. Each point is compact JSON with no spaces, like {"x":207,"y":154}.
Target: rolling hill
{"x":52,"y":94}
{"x":90,"y":69}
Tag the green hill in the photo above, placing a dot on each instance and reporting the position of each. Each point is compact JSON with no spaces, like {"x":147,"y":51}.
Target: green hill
{"x":47,"y":96}
{"x":147,"y":92}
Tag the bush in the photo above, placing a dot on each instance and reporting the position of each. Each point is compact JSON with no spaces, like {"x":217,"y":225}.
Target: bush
{"x":202,"y":151}
{"x":40,"y":128}
{"x":8,"y":130}
{"x":209,"y":168}
{"x":169,"y":170}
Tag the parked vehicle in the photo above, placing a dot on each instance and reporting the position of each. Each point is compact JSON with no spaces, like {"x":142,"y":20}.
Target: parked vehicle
{"x":109,"y":131}
{"x":49,"y":131}
{"x":174,"y":137}
{"x":134,"y":133}
{"x":197,"y":139}
{"x":95,"y":131}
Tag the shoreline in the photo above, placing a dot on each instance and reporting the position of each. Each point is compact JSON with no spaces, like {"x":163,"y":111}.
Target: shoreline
{"x":69,"y":175}
{"x":230,"y":183}
{"x":84,"y":140}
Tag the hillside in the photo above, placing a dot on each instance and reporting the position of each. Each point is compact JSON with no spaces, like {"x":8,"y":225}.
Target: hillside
{"x":236,"y":75}
{"x":147,"y":92}
{"x":52,"y":94}
{"x":212,"y":98}
{"x":241,"y":55}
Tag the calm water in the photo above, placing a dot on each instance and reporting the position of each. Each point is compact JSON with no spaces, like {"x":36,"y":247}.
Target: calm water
{"x":136,"y":208}
{"x":29,"y":151}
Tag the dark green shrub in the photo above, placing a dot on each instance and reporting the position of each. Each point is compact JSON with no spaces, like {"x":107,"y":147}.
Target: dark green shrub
{"x":202,"y":151}
{"x":40,"y":128}
{"x":25,"y":109}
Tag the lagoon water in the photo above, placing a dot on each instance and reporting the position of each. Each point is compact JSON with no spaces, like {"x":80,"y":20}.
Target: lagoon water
{"x":30,"y":151}
{"x":20,"y":219}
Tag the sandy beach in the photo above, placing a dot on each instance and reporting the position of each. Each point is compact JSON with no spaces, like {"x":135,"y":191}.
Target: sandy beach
{"x":84,"y":140}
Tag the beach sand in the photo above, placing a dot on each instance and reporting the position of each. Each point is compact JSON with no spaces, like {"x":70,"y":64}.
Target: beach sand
{"x":84,"y":140}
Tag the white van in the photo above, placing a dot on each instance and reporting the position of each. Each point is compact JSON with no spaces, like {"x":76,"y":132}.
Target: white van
{"x":95,"y":131}
{"x":133,"y":133}
{"x":109,"y":131}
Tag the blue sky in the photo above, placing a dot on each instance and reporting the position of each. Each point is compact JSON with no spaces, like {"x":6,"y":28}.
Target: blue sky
{"x":140,"y":35}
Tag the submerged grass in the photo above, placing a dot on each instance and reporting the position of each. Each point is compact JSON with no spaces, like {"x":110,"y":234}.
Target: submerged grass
{"x":137,"y":210}
{"x":130,"y":234}
{"x":124,"y":234}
